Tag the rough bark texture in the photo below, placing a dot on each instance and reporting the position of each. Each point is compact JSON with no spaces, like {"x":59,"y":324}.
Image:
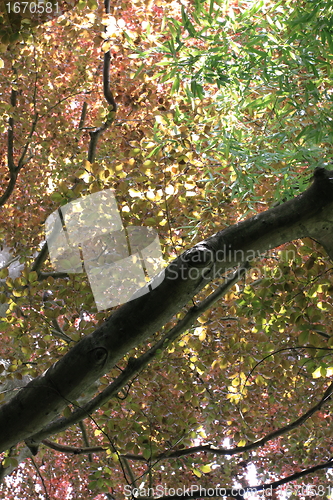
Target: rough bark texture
{"x":41,"y":401}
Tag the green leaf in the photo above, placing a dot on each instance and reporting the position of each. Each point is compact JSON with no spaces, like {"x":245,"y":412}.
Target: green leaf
{"x":175,"y":85}
{"x":33,"y":277}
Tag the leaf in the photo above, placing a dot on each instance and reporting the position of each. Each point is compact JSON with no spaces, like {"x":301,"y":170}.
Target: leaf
{"x":33,"y":277}
{"x":197,"y":472}
{"x":9,"y":462}
{"x":175,"y":85}
{"x":134,"y":193}
{"x":146,"y":453}
{"x":67,"y":412}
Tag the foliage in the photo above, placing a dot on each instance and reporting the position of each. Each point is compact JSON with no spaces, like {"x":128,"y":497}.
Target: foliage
{"x":224,"y":108}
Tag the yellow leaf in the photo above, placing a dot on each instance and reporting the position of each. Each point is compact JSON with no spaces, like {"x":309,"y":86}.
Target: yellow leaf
{"x":107,"y":20}
{"x":196,"y":472}
{"x":106,"y":46}
{"x":114,"y":457}
{"x":317,"y":373}
{"x":148,"y":163}
{"x":159,"y":119}
{"x":234,"y":398}
{"x":235,"y":382}
{"x":204,"y":317}
{"x":203,"y":434}
{"x":169,"y":189}
{"x":134,"y":193}
{"x":152,"y":196}
{"x":116,"y":168}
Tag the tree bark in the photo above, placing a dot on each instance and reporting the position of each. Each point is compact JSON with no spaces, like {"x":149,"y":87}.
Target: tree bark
{"x":42,"y":400}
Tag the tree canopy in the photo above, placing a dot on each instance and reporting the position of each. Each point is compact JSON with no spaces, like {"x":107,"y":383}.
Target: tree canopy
{"x":211,"y":123}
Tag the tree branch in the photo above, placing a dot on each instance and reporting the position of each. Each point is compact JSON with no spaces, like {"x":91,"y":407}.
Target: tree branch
{"x":210,"y":448}
{"x":26,"y":146}
{"x":309,"y":214}
{"x":238,"y":493}
{"x":95,"y":134}
{"x":136,"y":365}
{"x":10,"y":134}
{"x":13,"y":172}
{"x":83,"y":115}
{"x":251,"y":446}
{"x":40,"y":259}
{"x":63,"y":448}
{"x":12,"y":168}
{"x":85,"y":438}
